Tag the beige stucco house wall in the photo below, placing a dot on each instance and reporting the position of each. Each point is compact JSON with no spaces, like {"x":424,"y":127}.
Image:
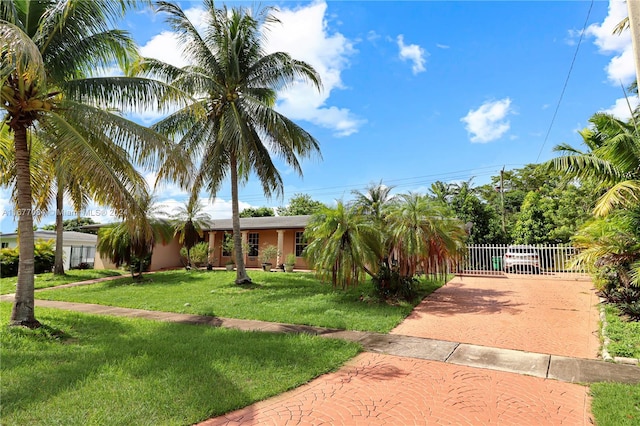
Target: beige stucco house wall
{"x":280,"y":231}
{"x":284,"y":232}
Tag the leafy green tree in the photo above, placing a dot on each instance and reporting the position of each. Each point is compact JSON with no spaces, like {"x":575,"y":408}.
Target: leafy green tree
{"x":483,"y":220}
{"x":232,"y":126}
{"x":189,"y":224}
{"x":76,"y":224}
{"x":612,"y":161}
{"x":257,"y":212}
{"x":48,"y":50}
{"x":300,"y":204}
{"x":531,"y":226}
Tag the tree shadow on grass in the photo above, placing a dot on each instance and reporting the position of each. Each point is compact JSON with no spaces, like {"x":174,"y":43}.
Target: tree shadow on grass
{"x":154,"y":373}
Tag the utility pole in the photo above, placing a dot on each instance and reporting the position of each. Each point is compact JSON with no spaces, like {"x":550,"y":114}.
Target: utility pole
{"x":634,"y":26}
{"x":504,"y":228}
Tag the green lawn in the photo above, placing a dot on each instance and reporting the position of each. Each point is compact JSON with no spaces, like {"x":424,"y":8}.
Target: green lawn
{"x":86,"y":369}
{"x":624,"y":335}
{"x":8,"y":284}
{"x":616,"y":404}
{"x":296,"y":298}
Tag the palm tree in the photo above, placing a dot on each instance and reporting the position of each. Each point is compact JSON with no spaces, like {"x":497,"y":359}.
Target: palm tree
{"x":612,"y":161}
{"x":442,"y":191}
{"x":131,"y":242}
{"x":610,"y":250}
{"x":189,"y":223}
{"x":232,"y":127}
{"x":344,"y":245}
{"x":424,"y":236}
{"x":48,"y":50}
{"x":374,"y":200}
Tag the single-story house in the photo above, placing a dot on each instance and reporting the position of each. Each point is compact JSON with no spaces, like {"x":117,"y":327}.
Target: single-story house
{"x":78,"y":247}
{"x":284,"y":232}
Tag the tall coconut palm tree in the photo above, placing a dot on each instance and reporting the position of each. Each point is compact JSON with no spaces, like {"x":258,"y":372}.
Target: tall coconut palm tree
{"x":232,"y":130}
{"x":612,"y":161}
{"x":189,"y":223}
{"x":48,"y":48}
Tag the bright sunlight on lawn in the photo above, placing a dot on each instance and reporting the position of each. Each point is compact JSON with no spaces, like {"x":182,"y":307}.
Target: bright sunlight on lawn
{"x":86,"y":369}
{"x":616,"y":404}
{"x":297,"y":298}
{"x":8,"y":284}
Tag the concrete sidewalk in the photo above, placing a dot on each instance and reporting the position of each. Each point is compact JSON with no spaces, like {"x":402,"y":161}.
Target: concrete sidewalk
{"x":566,"y":369}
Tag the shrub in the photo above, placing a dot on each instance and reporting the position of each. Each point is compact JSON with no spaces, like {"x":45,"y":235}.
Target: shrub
{"x":291,"y":259}
{"x":9,"y":262}
{"x":199,"y":253}
{"x":389,"y":284}
{"x":268,"y":253}
{"x":44,"y":258}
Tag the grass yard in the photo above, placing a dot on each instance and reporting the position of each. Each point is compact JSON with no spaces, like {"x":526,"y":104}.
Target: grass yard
{"x":84,"y":369}
{"x":624,"y":335}
{"x":616,"y":404}
{"x":297,"y":298}
{"x":8,"y":284}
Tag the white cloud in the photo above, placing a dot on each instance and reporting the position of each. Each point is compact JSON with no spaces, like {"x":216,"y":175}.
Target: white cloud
{"x":165,"y":47}
{"x":303,"y":33}
{"x":413,"y":53}
{"x":442,"y":46}
{"x":621,"y":68}
{"x":487,"y":123}
{"x":372,"y":36}
{"x":620,"y":109}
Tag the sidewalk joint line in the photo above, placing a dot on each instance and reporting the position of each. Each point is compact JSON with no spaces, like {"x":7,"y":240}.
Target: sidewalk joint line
{"x":452,"y":351}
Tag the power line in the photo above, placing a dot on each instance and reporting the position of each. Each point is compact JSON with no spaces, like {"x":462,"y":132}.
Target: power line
{"x":566,"y":81}
{"x":408,"y":182}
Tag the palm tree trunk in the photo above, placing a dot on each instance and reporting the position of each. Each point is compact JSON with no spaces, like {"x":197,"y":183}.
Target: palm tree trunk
{"x":58,"y":267}
{"x":22,"y":313}
{"x":241,"y":272}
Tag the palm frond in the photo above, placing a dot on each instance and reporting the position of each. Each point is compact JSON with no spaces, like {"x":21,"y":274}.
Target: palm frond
{"x":625,"y":193}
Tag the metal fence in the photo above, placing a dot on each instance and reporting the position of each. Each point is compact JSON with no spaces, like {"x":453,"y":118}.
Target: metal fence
{"x":490,"y":260}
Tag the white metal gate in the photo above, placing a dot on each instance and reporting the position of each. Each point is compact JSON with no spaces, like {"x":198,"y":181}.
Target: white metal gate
{"x":492,"y":260}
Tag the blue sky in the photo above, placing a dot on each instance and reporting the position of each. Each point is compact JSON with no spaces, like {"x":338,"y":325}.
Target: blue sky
{"x":416,"y":92}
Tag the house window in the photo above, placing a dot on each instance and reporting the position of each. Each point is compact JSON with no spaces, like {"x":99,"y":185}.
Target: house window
{"x":227,"y":243}
{"x":253,"y":240}
{"x":4,"y":245}
{"x":301,"y":243}
{"x":82,"y":257}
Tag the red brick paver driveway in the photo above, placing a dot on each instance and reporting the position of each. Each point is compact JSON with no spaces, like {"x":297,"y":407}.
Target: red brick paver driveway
{"x":538,"y":315}
{"x":529,"y":313}
{"x":376,"y":389}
